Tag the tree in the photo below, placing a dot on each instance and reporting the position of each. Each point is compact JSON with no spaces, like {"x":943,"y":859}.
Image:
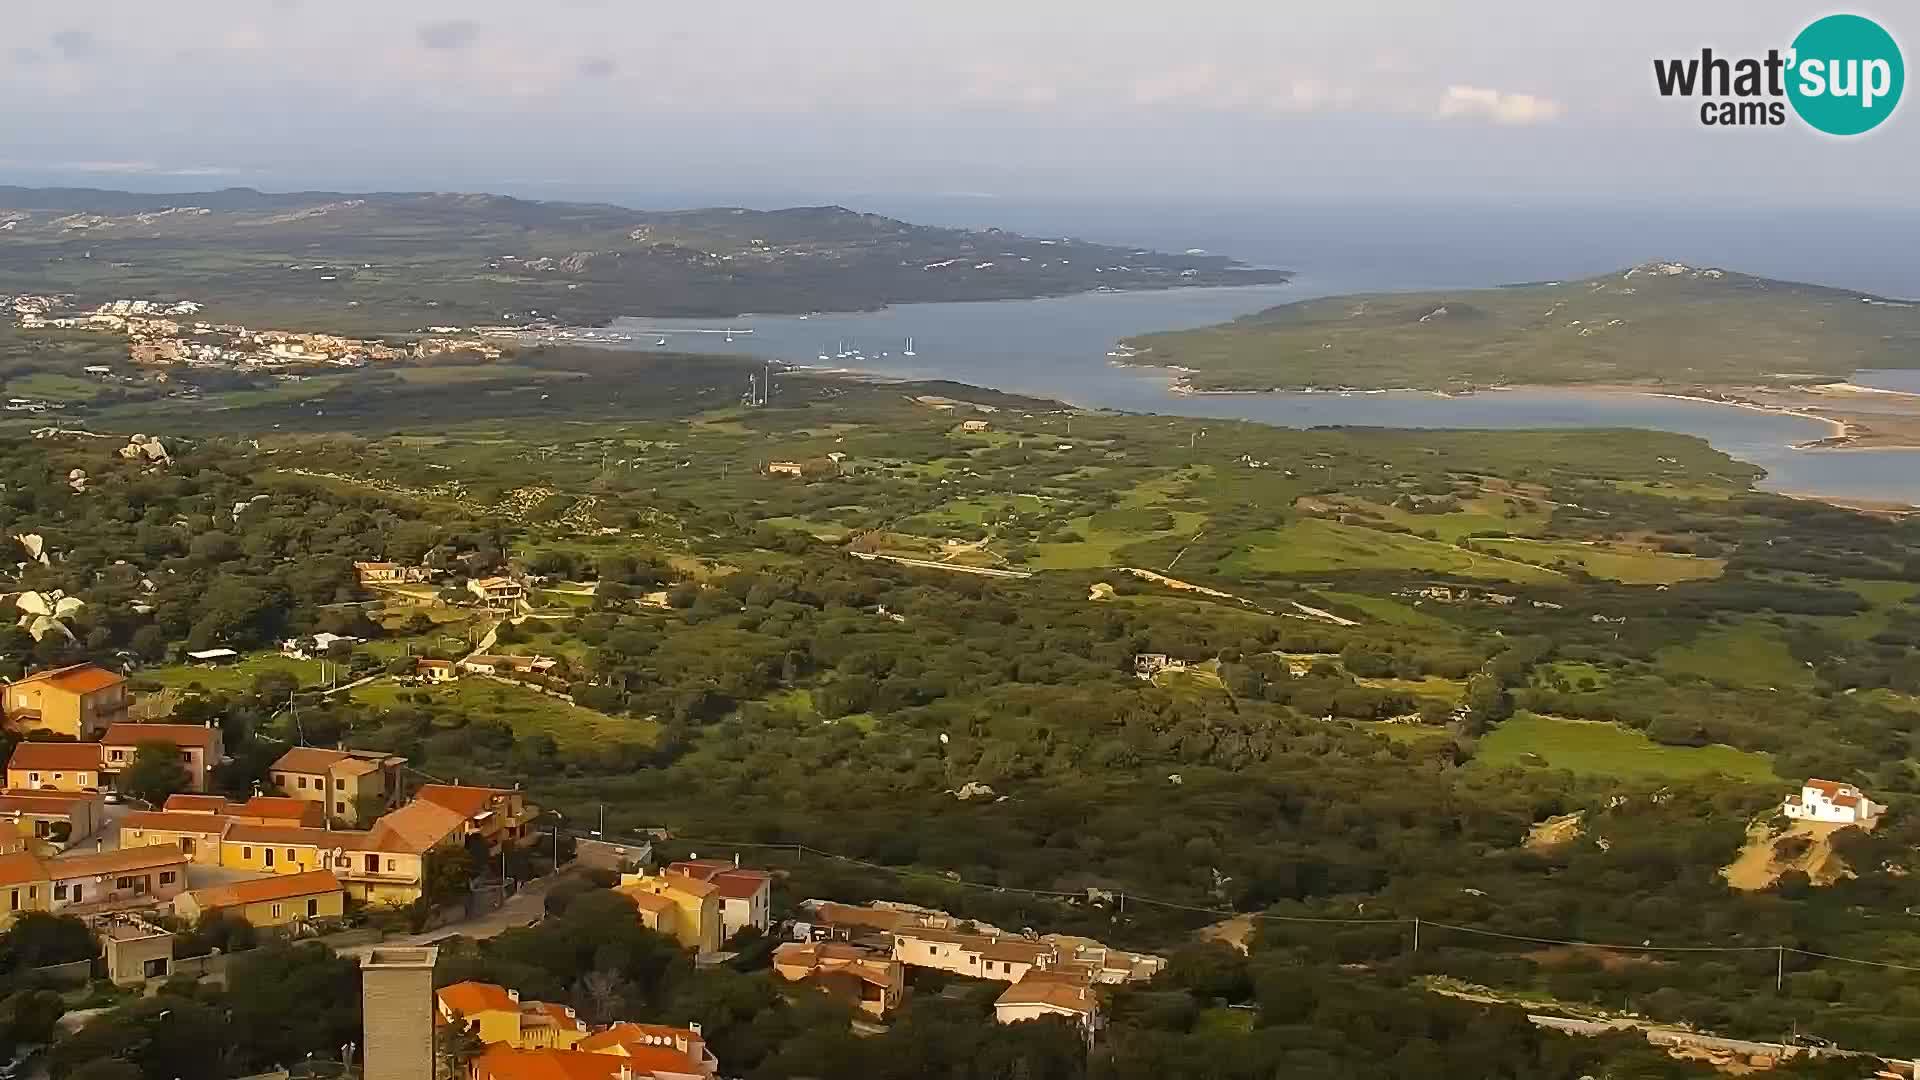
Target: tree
{"x":39,"y":939}
{"x":155,"y":773}
{"x":455,"y":1047}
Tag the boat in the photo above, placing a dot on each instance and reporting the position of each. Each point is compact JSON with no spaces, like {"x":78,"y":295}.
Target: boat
{"x":909,"y":350}
{"x":662,"y":342}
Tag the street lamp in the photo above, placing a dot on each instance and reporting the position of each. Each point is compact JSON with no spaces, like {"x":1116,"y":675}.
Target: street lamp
{"x":558,"y":817}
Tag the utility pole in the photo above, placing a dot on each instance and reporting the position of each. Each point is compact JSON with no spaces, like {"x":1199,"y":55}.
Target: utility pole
{"x":1779,"y":966}
{"x":1416,"y":933}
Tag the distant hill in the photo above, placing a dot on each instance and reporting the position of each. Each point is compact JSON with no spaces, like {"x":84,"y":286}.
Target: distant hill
{"x":1658,"y":323}
{"x":396,"y":260}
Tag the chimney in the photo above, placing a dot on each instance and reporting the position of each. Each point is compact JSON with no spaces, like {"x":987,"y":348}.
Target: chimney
{"x":680,"y":1042}
{"x":513,"y":995}
{"x":736,"y":860}
{"x":99,"y":844}
{"x":694,"y":1027}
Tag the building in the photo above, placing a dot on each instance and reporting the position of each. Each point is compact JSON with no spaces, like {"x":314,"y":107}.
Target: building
{"x":974,"y":426}
{"x":495,"y":817}
{"x":55,"y":766}
{"x":980,"y":956}
{"x":489,"y":664}
{"x":746,"y":896}
{"x":148,"y":876}
{"x":279,"y":810}
{"x":497,"y":1015}
{"x":24,"y":885}
{"x":1049,"y":993}
{"x":435,"y":671}
{"x":136,"y":951}
{"x":498,"y":593}
{"x":200,"y":746}
{"x":344,"y":782}
{"x":387,"y":573}
{"x":79,"y":701}
{"x":503,"y":1062}
{"x":786,"y":468}
{"x":871,"y":982}
{"x":196,"y":835}
{"x":655,"y":1047}
{"x":1818,"y":800}
{"x":397,"y":1009}
{"x":274,"y":901}
{"x":56,"y":819}
{"x":694,"y":920}
{"x":187,"y":803}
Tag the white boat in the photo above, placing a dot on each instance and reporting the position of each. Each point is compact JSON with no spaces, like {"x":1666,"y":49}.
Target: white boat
{"x":909,"y":351}
{"x":661,"y":342}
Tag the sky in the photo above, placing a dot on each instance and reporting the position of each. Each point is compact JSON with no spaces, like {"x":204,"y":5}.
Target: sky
{"x":763,"y":103}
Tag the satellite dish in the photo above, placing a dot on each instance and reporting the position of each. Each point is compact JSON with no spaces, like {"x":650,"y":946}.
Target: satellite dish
{"x":944,"y":740}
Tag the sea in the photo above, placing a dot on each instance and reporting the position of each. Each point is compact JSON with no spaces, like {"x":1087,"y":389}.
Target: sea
{"x":1059,"y":347}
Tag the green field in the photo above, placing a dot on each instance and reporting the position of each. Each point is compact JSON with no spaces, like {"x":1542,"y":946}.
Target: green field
{"x":1315,"y":546}
{"x":1625,"y":566}
{"x":1749,"y":653}
{"x":236,"y":676}
{"x":528,"y":712}
{"x":1601,"y":749}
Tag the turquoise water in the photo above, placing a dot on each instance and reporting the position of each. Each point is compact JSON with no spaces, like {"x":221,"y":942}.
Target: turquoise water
{"x":1057,"y":348}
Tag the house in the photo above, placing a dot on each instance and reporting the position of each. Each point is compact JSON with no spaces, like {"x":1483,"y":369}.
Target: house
{"x":869,"y":981}
{"x":981,"y":956}
{"x":318,"y":645}
{"x":498,"y":593}
{"x":503,"y":1062}
{"x":694,"y":920}
{"x":149,"y":876}
{"x":974,"y":426}
{"x":78,"y":701}
{"x":55,"y":766}
{"x":1049,"y":993}
{"x":490,"y":664}
{"x":274,"y":901}
{"x":344,"y":782}
{"x":136,"y":950}
{"x":15,"y":838}
{"x":1102,"y":964}
{"x":655,"y":1047}
{"x":786,"y":468}
{"x":197,"y":836}
{"x":187,"y":803}
{"x":497,"y":1015}
{"x":213,"y":657}
{"x":387,"y":573}
{"x":497,"y":817}
{"x":24,"y":886}
{"x":385,"y":864}
{"x":199,"y":746}
{"x":435,"y":671}
{"x":279,"y":810}
{"x":57,"y":819}
{"x":1818,"y":800}
{"x":745,"y":895}
{"x":1147,"y":665}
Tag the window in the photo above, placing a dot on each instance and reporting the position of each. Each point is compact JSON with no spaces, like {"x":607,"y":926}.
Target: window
{"x":276,"y":911}
{"x":123,"y":883}
{"x":33,"y":892}
{"x":313,"y":907}
{"x":119,"y":755}
{"x":59,"y":776}
{"x":280,"y":779}
{"x":186,"y":845}
{"x":339,"y":808}
{"x":16,"y":900}
{"x":155,"y":968}
{"x":166,"y":877}
{"x":246,"y":853}
{"x":268,"y":852}
{"x":60,"y":890}
{"x":34,"y":776}
{"x":339,"y":785}
{"x":42,"y":828}
{"x":300,"y":782}
{"x":291,"y":857}
{"x":393,"y":864}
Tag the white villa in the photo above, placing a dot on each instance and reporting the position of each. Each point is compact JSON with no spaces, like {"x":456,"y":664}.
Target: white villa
{"x":1824,"y":800}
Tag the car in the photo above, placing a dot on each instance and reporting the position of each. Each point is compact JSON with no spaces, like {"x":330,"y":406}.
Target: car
{"x":112,"y":798}
{"x":1812,"y":1042}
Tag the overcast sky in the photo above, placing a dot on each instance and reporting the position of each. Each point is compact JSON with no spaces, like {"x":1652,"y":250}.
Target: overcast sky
{"x":830,"y":100}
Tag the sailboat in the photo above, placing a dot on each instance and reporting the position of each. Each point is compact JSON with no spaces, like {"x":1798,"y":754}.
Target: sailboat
{"x":909,"y":351}
{"x":662,"y":343}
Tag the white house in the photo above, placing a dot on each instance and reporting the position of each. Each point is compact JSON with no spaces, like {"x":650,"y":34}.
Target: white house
{"x":1824,"y":800}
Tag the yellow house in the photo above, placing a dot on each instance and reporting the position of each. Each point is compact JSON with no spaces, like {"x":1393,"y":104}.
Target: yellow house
{"x":78,"y":701}
{"x":57,"y":819}
{"x":199,"y":746}
{"x":498,"y":816}
{"x":274,"y":901}
{"x":696,"y":915}
{"x":197,"y":835}
{"x":25,"y":885}
{"x":339,"y":780}
{"x":55,"y":766}
{"x":497,"y":1015}
{"x":384,"y":865}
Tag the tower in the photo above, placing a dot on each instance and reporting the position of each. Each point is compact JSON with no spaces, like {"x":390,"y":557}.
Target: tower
{"x":396,"y":1007}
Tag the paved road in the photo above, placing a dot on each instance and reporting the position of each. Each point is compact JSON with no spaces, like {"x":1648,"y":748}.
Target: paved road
{"x":524,"y":908}
{"x":1664,"y":1036}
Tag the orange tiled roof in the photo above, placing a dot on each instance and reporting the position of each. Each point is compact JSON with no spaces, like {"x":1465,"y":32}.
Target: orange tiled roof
{"x":639,"y":1039}
{"x":55,"y":755}
{"x":196,"y":804}
{"x":22,"y":868}
{"x":417,"y":826}
{"x":314,"y":760}
{"x":472,"y":998}
{"x":77,"y":678}
{"x":278,"y":887}
{"x":276,"y":808}
{"x":460,"y":798}
{"x":503,"y":1062}
{"x":302,"y":836}
{"x":132,"y":734}
{"x":44,"y":801}
{"x":175,"y":821}
{"x":741,"y":884}
{"x":150,"y":857}
{"x":645,"y":900}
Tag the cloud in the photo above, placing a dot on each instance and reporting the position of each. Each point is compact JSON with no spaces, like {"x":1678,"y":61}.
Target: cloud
{"x":597,"y":67}
{"x":1501,"y":108}
{"x":25,"y":56}
{"x":449,"y":35}
{"x":75,"y":44}
{"x":126,"y":168}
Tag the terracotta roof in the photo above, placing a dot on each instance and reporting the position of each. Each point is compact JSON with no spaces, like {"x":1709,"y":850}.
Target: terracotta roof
{"x":76,"y":678}
{"x":149,"y":857}
{"x":301,"y":836}
{"x":175,"y":821}
{"x":196,"y":804}
{"x":645,"y":900}
{"x":44,"y":802}
{"x":641,"y":1043}
{"x":690,"y":886}
{"x":546,"y":1012}
{"x":741,"y":884}
{"x":469,"y":999}
{"x":460,"y":798}
{"x":130,"y":734}
{"x":416,"y":827}
{"x":316,"y":760}
{"x":21,"y":868}
{"x":503,"y":1062}
{"x":261,"y":890}
{"x":276,"y":809}
{"x":1044,"y":988}
{"x":874,"y":918}
{"x":1013,"y":949}
{"x":55,"y":755}
{"x":704,"y":869}
{"x":427,"y":661}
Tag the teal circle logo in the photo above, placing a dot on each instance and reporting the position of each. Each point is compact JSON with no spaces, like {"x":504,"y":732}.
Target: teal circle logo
{"x":1846,"y":75}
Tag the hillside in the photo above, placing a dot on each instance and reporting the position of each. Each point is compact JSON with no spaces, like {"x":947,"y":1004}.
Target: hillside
{"x":395,"y":261}
{"x":1659,"y":323}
